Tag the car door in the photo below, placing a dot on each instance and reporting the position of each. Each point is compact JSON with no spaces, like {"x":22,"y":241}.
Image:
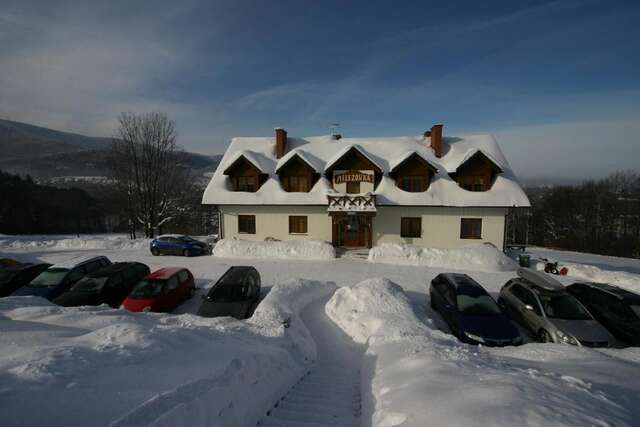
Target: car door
{"x":521,"y":297}
{"x":173,"y":297}
{"x":615,"y":314}
{"x":131,"y":277}
{"x":71,"y":278}
{"x":449,"y":309}
{"x":438,"y":293}
{"x":534,"y":318}
{"x":184,"y":286}
{"x":114,"y":290}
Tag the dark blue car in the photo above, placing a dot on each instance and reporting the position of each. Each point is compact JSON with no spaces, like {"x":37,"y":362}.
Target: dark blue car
{"x":59,"y":278}
{"x":176,"y":244}
{"x":472,"y":315}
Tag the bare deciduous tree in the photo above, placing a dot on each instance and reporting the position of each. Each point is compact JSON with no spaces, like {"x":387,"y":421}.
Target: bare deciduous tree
{"x":149,"y":168}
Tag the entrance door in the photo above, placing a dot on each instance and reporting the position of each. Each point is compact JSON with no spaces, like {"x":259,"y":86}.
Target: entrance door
{"x":353,"y":232}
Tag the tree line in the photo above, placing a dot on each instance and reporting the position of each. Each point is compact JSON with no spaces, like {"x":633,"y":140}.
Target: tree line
{"x":599,"y":216}
{"x":28,"y":208}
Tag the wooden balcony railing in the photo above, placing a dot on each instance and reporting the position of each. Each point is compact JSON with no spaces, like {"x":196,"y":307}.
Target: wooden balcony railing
{"x":352,"y":203}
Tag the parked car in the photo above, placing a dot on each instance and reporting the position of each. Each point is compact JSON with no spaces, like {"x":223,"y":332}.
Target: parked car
{"x":542,"y":305}
{"x":16,"y":276}
{"x":59,"y":278}
{"x":174,"y":244}
{"x":617,"y":309}
{"x":162,"y":290}
{"x":472,"y":315}
{"x":235,"y":294}
{"x":109,"y":285}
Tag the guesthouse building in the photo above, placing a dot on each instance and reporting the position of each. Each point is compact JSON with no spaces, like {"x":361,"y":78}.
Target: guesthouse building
{"x":427,"y":190}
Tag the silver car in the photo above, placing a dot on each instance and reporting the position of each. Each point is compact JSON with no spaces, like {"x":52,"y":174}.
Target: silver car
{"x":543,"y":306}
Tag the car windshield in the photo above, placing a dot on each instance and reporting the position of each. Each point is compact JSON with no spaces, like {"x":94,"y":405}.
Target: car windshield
{"x":227,"y":293}
{"x":148,"y":289}
{"x":636,"y":310}
{"x":233,"y":276}
{"x":474,"y":302}
{"x":90,"y":284}
{"x":50,"y":277}
{"x":563,"y":306}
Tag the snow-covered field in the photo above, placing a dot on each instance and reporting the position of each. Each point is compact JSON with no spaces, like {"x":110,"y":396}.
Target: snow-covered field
{"x":98,"y":366}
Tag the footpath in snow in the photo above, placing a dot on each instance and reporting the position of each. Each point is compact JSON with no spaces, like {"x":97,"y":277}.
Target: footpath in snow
{"x":329,"y":395}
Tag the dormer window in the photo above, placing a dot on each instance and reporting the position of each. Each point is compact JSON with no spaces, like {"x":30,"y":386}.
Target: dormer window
{"x":244,"y":175}
{"x":413,"y":174}
{"x":244,"y":183}
{"x":295,"y":183}
{"x":296,"y":174}
{"x":477,"y":173}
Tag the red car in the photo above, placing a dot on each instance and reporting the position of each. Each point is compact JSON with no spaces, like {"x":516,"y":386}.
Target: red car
{"x":162,"y":290}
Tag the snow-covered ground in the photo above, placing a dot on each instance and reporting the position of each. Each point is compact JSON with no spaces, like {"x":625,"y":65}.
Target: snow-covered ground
{"x":97,"y":366}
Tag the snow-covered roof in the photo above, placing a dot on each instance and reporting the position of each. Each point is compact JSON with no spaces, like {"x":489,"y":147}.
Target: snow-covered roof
{"x":321,"y":152}
{"x":399,"y":160}
{"x":337,"y":156}
{"x":313,"y":162}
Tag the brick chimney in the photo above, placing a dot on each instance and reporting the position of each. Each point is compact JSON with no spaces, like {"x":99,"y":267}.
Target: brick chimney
{"x":281,"y":142}
{"x":436,"y":139}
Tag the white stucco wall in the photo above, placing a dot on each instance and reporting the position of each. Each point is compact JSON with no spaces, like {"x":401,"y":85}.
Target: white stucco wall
{"x":440,"y":225}
{"x":273,"y":221}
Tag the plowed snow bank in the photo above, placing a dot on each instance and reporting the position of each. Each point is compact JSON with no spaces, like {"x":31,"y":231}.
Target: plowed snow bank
{"x":64,"y":242}
{"x":99,"y":366}
{"x":478,"y":258}
{"x":420,"y":375}
{"x":591,"y":273}
{"x":293,"y":249}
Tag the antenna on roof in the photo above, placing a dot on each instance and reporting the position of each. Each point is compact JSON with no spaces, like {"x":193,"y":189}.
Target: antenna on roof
{"x":334,"y":133}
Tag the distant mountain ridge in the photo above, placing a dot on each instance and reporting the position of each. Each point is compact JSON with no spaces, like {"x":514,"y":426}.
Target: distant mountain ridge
{"x":47,"y":154}
{"x":23,"y":140}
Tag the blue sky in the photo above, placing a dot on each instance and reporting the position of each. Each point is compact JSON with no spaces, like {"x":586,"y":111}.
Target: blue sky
{"x":556,"y":81}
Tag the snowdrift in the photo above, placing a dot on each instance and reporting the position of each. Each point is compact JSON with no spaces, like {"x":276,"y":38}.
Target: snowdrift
{"x":65,"y":242}
{"x":293,"y":249}
{"x":420,"y":375}
{"x":478,"y":258}
{"x":591,"y":273}
{"x":99,"y":366}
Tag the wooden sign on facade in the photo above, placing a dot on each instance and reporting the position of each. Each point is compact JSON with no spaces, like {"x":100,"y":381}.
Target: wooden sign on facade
{"x":353,"y":176}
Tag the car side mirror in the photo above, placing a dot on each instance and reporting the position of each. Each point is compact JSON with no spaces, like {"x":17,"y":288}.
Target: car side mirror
{"x":528,"y":307}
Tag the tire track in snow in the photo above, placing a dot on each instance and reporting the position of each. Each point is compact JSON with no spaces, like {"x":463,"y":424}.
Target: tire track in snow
{"x":329,"y":395}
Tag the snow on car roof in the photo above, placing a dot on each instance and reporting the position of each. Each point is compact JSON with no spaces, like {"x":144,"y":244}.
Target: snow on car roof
{"x":540,"y":279}
{"x":323,"y":151}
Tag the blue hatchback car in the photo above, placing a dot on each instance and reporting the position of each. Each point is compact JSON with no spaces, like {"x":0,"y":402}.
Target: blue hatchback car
{"x":472,"y":315}
{"x":177,"y":244}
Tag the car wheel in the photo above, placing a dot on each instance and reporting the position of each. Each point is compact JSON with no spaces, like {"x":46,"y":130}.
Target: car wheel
{"x":192,"y":292}
{"x":544,"y":336}
{"x":155,"y":252}
{"x":431,"y":303}
{"x":186,"y":253}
